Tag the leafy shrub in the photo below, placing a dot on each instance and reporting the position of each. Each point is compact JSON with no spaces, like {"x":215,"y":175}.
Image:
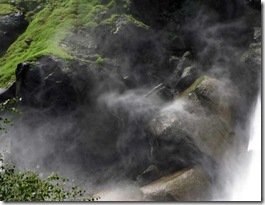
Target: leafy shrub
{"x":28,"y":186}
{"x":8,"y":105}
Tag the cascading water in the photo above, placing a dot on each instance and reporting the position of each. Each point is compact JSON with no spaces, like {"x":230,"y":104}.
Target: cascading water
{"x":248,"y":186}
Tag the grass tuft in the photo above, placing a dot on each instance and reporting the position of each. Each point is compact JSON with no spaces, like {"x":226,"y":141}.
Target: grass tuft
{"x":51,"y":25}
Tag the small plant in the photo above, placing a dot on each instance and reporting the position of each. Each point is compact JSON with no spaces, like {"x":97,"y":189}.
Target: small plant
{"x":28,"y":186}
{"x":8,"y":105}
{"x":100,"y":61}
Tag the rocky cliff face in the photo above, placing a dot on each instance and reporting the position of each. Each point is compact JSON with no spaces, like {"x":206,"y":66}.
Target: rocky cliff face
{"x":110,"y":88}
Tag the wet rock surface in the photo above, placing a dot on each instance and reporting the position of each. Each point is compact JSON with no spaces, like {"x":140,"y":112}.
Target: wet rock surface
{"x":200,"y":126}
{"x":11,"y":26}
{"x":190,"y":184}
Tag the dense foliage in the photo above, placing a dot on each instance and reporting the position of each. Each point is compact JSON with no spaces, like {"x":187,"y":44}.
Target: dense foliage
{"x":28,"y":186}
{"x":8,"y":105}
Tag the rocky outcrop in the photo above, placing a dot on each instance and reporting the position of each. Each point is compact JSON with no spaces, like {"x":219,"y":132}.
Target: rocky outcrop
{"x":150,"y":174}
{"x":6,"y":94}
{"x":251,"y":60}
{"x":124,"y":46}
{"x":191,"y":184}
{"x":11,"y":26}
{"x":45,"y":84}
{"x":200,"y":122}
{"x":196,"y":130}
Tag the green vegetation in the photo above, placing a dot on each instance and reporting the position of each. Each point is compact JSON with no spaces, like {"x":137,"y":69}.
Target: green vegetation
{"x":100,"y":61}
{"x":46,"y":31}
{"x":191,"y":88}
{"x":126,"y":18}
{"x":51,"y":21}
{"x":28,"y":186}
{"x":8,"y":105}
{"x":6,"y":9}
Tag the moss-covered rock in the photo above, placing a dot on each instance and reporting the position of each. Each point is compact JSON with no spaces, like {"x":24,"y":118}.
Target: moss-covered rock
{"x":12,"y":24}
{"x":6,"y":9}
{"x":251,"y":66}
{"x":213,"y":95}
{"x":198,"y":124}
{"x":71,"y":30}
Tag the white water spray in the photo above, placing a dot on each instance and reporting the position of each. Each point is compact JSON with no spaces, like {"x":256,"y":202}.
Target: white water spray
{"x":248,"y":187}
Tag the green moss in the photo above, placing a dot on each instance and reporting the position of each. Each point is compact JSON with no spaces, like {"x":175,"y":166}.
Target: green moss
{"x":100,"y":61}
{"x":50,"y":25}
{"x":47,"y":31}
{"x":111,"y":21}
{"x":6,"y":9}
{"x":191,"y":88}
{"x":136,"y":22}
{"x":120,"y":6}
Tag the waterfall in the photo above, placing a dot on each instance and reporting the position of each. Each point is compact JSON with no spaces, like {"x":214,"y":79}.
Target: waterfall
{"x":248,"y":186}
{"x":254,"y":176}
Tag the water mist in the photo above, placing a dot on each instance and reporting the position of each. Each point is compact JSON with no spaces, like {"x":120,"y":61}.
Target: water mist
{"x":104,"y":142}
{"x":247,"y":186}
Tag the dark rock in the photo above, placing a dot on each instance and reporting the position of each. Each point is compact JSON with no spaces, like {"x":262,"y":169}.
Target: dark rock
{"x":135,"y":49}
{"x":257,"y":34}
{"x":150,"y":174}
{"x":217,"y":118}
{"x":191,"y":184}
{"x":46,"y":84}
{"x":189,"y":133}
{"x":159,"y":14}
{"x":128,"y":47}
{"x":227,"y":9}
{"x":184,"y":74}
{"x":152,"y":12}
{"x":189,"y":75}
{"x":178,"y":45}
{"x":256,"y":4}
{"x":11,"y":26}
{"x":172,"y":148}
{"x":28,"y":41}
{"x":13,"y":2}
{"x":8,"y":93}
{"x":249,"y":79}
{"x":252,"y":57}
{"x":53,"y":88}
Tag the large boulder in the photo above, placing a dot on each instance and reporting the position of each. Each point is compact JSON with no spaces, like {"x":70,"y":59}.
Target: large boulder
{"x":196,"y":129}
{"x":191,"y":184}
{"x":162,"y":13}
{"x":124,"y":46}
{"x":150,"y":174}
{"x":248,"y":78}
{"x":8,"y":93}
{"x":45,"y":84}
{"x":85,"y":117}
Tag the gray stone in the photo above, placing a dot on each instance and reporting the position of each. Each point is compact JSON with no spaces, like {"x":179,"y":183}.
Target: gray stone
{"x":198,"y":124}
{"x":191,"y":184}
{"x":11,"y":26}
